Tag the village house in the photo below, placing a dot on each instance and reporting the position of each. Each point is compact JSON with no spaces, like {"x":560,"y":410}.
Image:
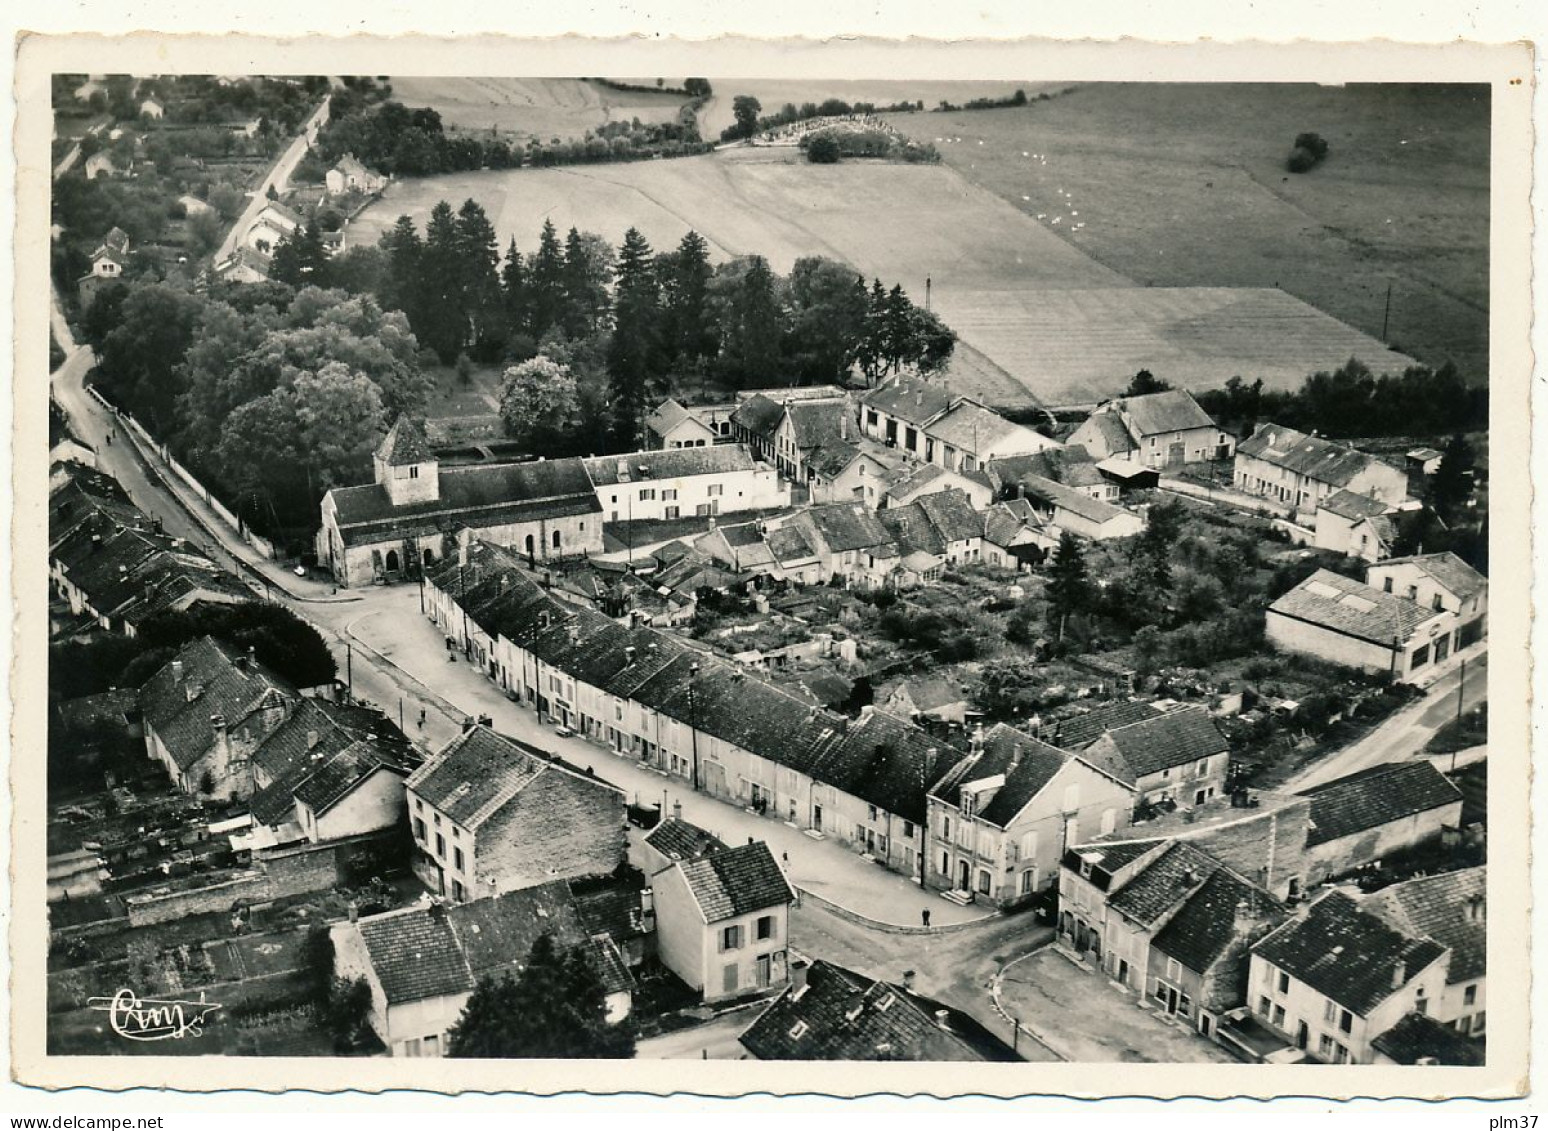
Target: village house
{"x":409,"y":517}
{"x":1346,"y":622}
{"x":330,"y":770}
{"x":1419,"y":1039}
{"x":1167,"y":920}
{"x":1449,"y":908}
{"x":932,"y":424}
{"x":915,"y":480}
{"x":1347,"y":524}
{"x":1071,"y":466}
{"x":1015,"y":536}
{"x":349,"y":175}
{"x":1439,"y":582}
{"x":206,"y":711}
{"x":673,"y":425}
{"x":1178,"y":758}
{"x":851,"y":543}
{"x":423,"y":962}
{"x":722,"y":921}
{"x":692,"y":715}
{"x":796,"y":433}
{"x":1300,"y":471}
{"x":683,"y":482}
{"x":273,"y":223}
{"x":933,"y":532}
{"x":108,"y":261}
{"x":154,"y":108}
{"x":490,"y":815}
{"x":933,"y":697}
{"x":1373,"y":813}
{"x":1004,"y":814}
{"x":834,"y":1014}
{"x":675,"y":840}
{"x":99,"y":164}
{"x":1157,"y":430}
{"x":1335,"y":977}
{"x":1070,"y":510}
{"x":861,"y":472}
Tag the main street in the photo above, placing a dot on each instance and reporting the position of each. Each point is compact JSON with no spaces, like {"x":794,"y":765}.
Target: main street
{"x":278,"y":178}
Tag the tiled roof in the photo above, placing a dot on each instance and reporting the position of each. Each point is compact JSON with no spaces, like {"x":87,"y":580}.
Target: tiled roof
{"x":1332,"y":601}
{"x":1028,"y":765}
{"x":1311,"y":456}
{"x":973,"y":428}
{"x":1375,"y":797}
{"x":1114,"y":435}
{"x":614,"y":910}
{"x":1347,"y":504}
{"x":1079,"y":731}
{"x":1174,"y":410}
{"x":1002,"y":525}
{"x":224,"y":686}
{"x":789,"y":544}
{"x":477,"y":495}
{"x":1448,"y":908}
{"x":339,"y":776}
{"x":927,"y":693}
{"x":910,"y":398}
{"x":912,"y":530}
{"x":1346,"y":954}
{"x":736,"y":881}
{"x":1165,"y":741}
{"x":884,"y":761}
{"x":496,"y":934}
{"x":1203,"y":929}
{"x":1161,"y":885}
{"x":1447,"y":570}
{"x":667,"y":416}
{"x":759,"y":415}
{"x":404,"y":444}
{"x":415,"y":955}
{"x":823,"y":423}
{"x":676,"y":839}
{"x":1419,"y":1036}
{"x":1068,"y":498}
{"x":952,"y":515}
{"x":843,"y":1016}
{"x":480,"y":772}
{"x":610,"y":966}
{"x":646,"y":468}
{"x":848,"y":526}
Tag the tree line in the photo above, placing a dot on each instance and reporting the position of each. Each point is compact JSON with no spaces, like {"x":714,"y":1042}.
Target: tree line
{"x":627,"y":326}
{"x":750,"y":118}
{"x":413,"y":142}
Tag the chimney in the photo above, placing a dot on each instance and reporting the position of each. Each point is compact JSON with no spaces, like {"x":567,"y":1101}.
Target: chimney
{"x":462,"y":552}
{"x":866,"y":712}
{"x":177,"y":671}
{"x":628,"y":655}
{"x":218,"y":723}
{"x":1243,"y":914}
{"x":311,"y":739}
{"x":798,"y":968}
{"x":908,"y":980}
{"x":354,"y":912}
{"x":1399,"y":974}
{"x":976,"y":743}
{"x":1475,"y":909}
{"x":677,"y":810}
{"x":96,"y":542}
{"x":943,"y":1019}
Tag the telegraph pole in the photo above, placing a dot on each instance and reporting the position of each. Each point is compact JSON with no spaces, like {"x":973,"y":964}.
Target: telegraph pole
{"x":1386,"y":312}
{"x":1461,"y":686}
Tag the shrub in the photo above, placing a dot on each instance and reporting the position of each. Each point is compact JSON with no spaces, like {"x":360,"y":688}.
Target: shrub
{"x":823,"y":150}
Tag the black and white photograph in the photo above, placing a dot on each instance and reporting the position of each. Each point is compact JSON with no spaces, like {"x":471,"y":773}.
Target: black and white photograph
{"x":800,"y":568}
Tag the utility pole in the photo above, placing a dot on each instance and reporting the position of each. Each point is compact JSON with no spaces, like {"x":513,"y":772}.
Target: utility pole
{"x":349,"y":667}
{"x":1386,"y":312}
{"x":693,"y":717}
{"x":1461,"y":686}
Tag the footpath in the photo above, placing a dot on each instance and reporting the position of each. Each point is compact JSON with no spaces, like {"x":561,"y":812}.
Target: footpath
{"x":399,"y":636}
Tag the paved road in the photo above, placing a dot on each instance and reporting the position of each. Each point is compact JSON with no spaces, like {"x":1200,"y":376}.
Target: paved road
{"x":1404,"y":735}
{"x":278,"y":177}
{"x":715,"y":1040}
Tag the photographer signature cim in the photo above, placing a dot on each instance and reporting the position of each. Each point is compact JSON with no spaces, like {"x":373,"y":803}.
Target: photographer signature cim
{"x":153,"y":1019}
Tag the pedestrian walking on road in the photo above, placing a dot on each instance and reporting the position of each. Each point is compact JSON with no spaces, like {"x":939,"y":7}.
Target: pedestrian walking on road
{"x":421,"y":718}
{"x":924,"y":917}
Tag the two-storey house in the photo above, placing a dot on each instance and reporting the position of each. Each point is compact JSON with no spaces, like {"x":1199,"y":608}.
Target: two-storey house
{"x":1300,"y":471}
{"x":1158,"y":430}
{"x":1178,"y":758}
{"x":1439,"y":582}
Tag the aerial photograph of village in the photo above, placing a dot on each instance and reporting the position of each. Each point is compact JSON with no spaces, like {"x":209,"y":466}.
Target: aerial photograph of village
{"x":768,"y":570}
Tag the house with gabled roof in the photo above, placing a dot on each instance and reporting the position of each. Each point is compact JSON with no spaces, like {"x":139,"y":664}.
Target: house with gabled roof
{"x":835,"y":1014}
{"x":1451,"y":909}
{"x":936,"y":697}
{"x":1176,"y":758}
{"x":1372,"y":813}
{"x":1343,"y":524}
{"x":722,"y":921}
{"x":1300,"y":470}
{"x":1347,"y":622}
{"x":1002,"y":816}
{"x":1335,"y":977}
{"x":1440,"y":581}
{"x":851,"y":541}
{"x":930,"y":423}
{"x":491,"y":815}
{"x":275,"y":221}
{"x":674,"y":840}
{"x":1165,"y":429}
{"x":1070,"y":465}
{"x":422,"y":963}
{"x":674,"y":425}
{"x":1167,"y":919}
{"x":350,"y":175}
{"x":206,"y":711}
{"x":680,"y":482}
{"x":861,"y":471}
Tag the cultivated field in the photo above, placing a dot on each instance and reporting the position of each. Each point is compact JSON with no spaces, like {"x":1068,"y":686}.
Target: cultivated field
{"x":1078,"y":346}
{"x":1184,"y":185}
{"x":531,"y":108}
{"x":772,"y":94}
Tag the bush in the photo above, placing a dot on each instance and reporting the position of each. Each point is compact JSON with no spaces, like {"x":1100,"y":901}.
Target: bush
{"x":1308,"y":152}
{"x":823,"y":150}
{"x":1301,"y":160}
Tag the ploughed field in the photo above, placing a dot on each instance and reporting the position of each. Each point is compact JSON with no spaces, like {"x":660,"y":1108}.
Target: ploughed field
{"x":1184,"y":185}
{"x":1167,"y":199}
{"x":532,"y":108}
